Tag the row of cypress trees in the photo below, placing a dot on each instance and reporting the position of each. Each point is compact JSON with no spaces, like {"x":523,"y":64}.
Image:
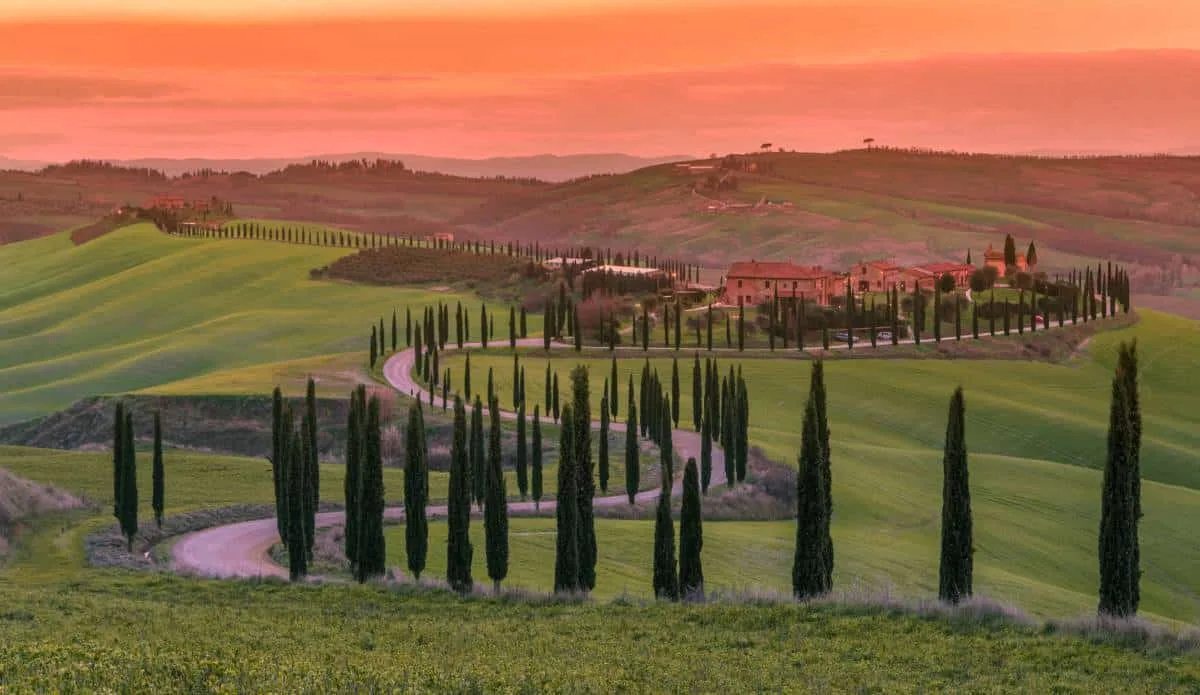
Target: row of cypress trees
{"x":124,"y":465}
{"x":363,"y":487}
{"x":296,"y":475}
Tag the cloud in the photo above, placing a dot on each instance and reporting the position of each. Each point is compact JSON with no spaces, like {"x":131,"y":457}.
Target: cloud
{"x":41,"y":89}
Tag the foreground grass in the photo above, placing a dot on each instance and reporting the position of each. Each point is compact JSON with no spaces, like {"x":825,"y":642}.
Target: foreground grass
{"x":265,"y":637}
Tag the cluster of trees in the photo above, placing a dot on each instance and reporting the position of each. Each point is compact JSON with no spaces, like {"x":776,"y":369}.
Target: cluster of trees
{"x":429,"y":334}
{"x":124,"y":464}
{"x":296,"y":474}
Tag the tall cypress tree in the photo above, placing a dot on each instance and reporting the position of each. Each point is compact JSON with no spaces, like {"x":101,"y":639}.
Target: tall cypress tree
{"x":566,"y":559}
{"x":158,"y":471}
{"x":741,"y":440}
{"x":706,"y":451}
{"x":818,"y":393}
{"x":394,"y":330}
{"x":458,"y":512}
{"x":516,"y":381}
{"x":304,"y":504}
{"x":354,"y":435}
{"x":666,"y":578}
{"x":808,"y":567}
{"x":554,"y":397}
{"x":313,"y":471}
{"x":129,"y":491}
{"x":522,"y":464}
{"x":118,"y":458}
{"x":585,"y":478}
{"x":697,"y":395}
{"x":536,"y":460}
{"x":549,"y":386}
{"x":691,"y":537}
{"x":374,"y":352}
{"x":956,"y":568}
{"x":491,"y":387}
{"x":709,"y":323}
{"x":478,"y":468}
{"x":603,"y":443}
{"x":371,"y":551}
{"x":294,"y":476}
{"x":612,"y":393}
{"x":741,"y":327}
{"x":495,"y":520}
{"x":1119,"y":552}
{"x":632,"y":456}
{"x":512,"y":328}
{"x":416,"y":491}
{"x":675,"y":391}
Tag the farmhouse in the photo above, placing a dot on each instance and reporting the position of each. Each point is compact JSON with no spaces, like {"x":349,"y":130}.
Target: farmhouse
{"x":875,"y":276}
{"x":447,"y":237}
{"x":750,"y":282}
{"x":995,"y":259}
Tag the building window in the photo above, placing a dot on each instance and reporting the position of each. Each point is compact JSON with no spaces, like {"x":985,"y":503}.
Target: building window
{"x":739,"y":284}
{"x":902,"y":285}
{"x":794,"y":284}
{"x":767,"y":284}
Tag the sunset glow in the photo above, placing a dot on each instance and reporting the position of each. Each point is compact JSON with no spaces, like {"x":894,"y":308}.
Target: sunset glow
{"x":122,"y":78}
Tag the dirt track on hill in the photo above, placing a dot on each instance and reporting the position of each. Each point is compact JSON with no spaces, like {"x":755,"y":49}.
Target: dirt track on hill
{"x":241,"y":550}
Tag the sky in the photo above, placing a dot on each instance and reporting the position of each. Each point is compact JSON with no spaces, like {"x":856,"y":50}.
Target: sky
{"x":480,"y":78}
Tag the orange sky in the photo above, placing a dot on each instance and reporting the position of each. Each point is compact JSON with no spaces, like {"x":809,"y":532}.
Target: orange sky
{"x":560,"y":76}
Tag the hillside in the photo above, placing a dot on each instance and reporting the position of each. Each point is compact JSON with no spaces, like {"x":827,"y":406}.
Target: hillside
{"x":135,"y":309}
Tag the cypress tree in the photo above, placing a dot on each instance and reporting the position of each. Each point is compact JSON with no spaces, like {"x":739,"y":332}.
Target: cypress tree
{"x":612,"y":393}
{"x":697,"y":395}
{"x":645,"y":328}
{"x":918,"y":314}
{"x":1021,"y":312}
{"x":483,"y":326}
{"x":129,"y":492}
{"x":524,"y":325}
{"x":491,"y":388}
{"x":895,"y":315}
{"x":478,"y":469}
{"x":603,"y":444}
{"x":536,"y":472}
{"x":675,"y":391}
{"x":522,"y":453}
{"x":304,"y":504}
{"x":1006,"y":314}
{"x":666,"y":579}
{"x":458,"y":512}
{"x":808,"y":567}
{"x":118,"y":458}
{"x":728,"y":331}
{"x":632,"y":457}
{"x":956,"y":568}
{"x":374,"y":354}
{"x":706,"y":451}
{"x":554,"y":397}
{"x":643,"y":396}
{"x":354,"y":435}
{"x":548,"y":385}
{"x":467,"y":376}
{"x":416,"y":490}
{"x":975,"y":319}
{"x":294,"y":475}
{"x":277,"y":463}
{"x":313,"y":473}
{"x":394,"y":330}
{"x":937,"y":312}
{"x":678,"y":323}
{"x":741,"y":439}
{"x":992,"y":314}
{"x":566,"y":560}
{"x":1119,"y":551}
{"x":495,"y":520}
{"x":585,"y":478}
{"x":512,"y":328}
{"x":158,"y":471}
{"x":821,"y":409}
{"x":957,"y":319}
{"x":691,"y":537}
{"x":371,"y":550}
{"x":576,"y":333}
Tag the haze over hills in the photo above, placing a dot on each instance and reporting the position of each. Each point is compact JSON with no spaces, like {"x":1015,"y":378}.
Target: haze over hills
{"x":547,"y":167}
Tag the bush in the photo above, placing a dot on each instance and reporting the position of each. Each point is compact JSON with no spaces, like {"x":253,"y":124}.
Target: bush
{"x":946,"y":283}
{"x":1023,"y":281}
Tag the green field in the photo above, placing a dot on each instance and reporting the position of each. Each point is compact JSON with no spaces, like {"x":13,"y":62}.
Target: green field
{"x":137,"y":309}
{"x":1036,"y":436}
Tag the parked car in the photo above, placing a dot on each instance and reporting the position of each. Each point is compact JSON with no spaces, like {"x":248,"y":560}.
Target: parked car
{"x":843,"y":336}
{"x":883,"y":335}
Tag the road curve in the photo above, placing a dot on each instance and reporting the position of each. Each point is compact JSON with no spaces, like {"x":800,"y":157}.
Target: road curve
{"x":241,"y":550}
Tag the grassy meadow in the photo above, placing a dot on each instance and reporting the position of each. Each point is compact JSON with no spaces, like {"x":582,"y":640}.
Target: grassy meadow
{"x":1036,"y":437}
{"x":137,"y":309}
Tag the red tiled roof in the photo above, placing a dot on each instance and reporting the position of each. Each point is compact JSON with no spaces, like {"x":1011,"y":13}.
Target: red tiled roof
{"x":774,"y":271}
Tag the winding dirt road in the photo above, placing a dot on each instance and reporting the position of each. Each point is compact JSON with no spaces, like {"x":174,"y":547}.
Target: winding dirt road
{"x":241,"y":550}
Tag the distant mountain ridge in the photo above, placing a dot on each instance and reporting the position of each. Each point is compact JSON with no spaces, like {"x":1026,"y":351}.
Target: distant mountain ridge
{"x":547,"y":167}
